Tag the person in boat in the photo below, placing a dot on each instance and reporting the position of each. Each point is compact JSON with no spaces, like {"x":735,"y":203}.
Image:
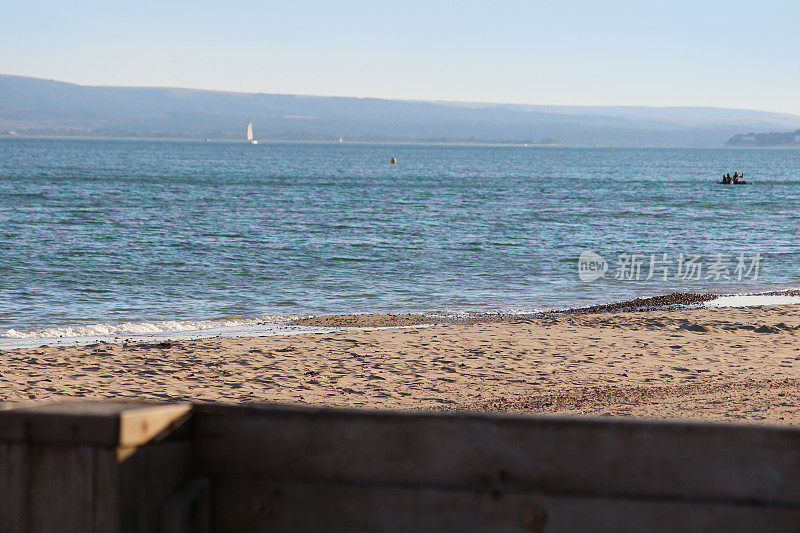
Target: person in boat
{"x":726,"y":178}
{"x":737,"y":178}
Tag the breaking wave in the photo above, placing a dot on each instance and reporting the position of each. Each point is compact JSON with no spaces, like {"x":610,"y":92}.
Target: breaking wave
{"x":139,"y":328}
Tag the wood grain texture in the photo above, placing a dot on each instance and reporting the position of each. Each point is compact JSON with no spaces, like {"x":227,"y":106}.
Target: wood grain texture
{"x":503,"y":453}
{"x":148,"y":478}
{"x":65,"y":492}
{"x":188,"y":510}
{"x":89,"y":466}
{"x":250,"y":506}
{"x":13,"y":488}
{"x":273,"y":468}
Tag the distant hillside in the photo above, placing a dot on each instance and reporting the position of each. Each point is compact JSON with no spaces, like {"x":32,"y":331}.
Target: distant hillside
{"x":791,"y":138}
{"x":32,"y":106}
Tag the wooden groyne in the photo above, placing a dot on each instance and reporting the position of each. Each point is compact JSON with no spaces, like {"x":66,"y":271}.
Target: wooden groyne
{"x":126,"y":466}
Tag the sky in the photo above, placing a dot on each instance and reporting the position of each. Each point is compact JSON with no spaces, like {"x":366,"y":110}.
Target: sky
{"x":673,"y":53}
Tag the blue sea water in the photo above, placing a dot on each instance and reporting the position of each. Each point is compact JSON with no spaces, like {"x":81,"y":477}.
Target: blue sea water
{"x":111,"y":232}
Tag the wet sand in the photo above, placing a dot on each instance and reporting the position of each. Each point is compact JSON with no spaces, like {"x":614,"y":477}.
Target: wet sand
{"x":729,"y":364}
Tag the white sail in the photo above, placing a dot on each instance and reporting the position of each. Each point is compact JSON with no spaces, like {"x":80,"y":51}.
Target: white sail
{"x":249,"y":131}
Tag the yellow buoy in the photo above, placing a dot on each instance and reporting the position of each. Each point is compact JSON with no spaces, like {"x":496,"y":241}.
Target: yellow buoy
{"x":393,"y":160}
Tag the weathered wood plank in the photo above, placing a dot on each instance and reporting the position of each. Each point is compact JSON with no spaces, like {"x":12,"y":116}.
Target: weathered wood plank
{"x":246,"y":505}
{"x":147,"y":423}
{"x":62,"y":490}
{"x":293,"y":469}
{"x":502,"y":453}
{"x":107,"y":492}
{"x":147,"y":478}
{"x":13,"y":488}
{"x":57,"y":488}
{"x":67,"y":465}
{"x":188,"y":510}
{"x":103,"y":423}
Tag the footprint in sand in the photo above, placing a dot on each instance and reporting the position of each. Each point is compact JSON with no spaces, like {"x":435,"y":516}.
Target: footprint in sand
{"x":695,"y":327}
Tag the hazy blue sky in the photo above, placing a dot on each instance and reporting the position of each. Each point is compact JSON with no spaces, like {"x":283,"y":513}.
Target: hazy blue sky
{"x":722,"y":53}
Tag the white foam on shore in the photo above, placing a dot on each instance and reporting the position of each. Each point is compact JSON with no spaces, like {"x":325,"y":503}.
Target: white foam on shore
{"x":750,"y":300}
{"x":252,"y":330}
{"x":266,"y":325}
{"x":139,"y":328}
{"x":152,"y":331}
{"x":174,"y":330}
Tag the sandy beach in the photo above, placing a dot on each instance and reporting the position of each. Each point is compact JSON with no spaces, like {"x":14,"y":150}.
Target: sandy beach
{"x":725,"y":364}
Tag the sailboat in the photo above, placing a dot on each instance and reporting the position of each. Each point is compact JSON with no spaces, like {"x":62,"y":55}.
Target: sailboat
{"x":250,"y":133}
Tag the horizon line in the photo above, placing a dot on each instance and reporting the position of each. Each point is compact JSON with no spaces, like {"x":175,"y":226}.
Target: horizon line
{"x":413,"y":100}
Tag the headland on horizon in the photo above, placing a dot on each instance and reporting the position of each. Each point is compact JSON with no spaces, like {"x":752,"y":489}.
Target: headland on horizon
{"x":39,"y":107}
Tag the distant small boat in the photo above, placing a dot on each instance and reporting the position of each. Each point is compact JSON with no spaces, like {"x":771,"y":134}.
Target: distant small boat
{"x":340,"y":140}
{"x":250,"y":138}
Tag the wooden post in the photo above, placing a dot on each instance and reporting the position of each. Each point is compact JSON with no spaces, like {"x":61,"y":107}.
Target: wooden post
{"x":91,"y":466}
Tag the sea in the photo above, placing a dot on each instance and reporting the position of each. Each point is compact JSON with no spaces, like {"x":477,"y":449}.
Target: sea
{"x":118,"y":239}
